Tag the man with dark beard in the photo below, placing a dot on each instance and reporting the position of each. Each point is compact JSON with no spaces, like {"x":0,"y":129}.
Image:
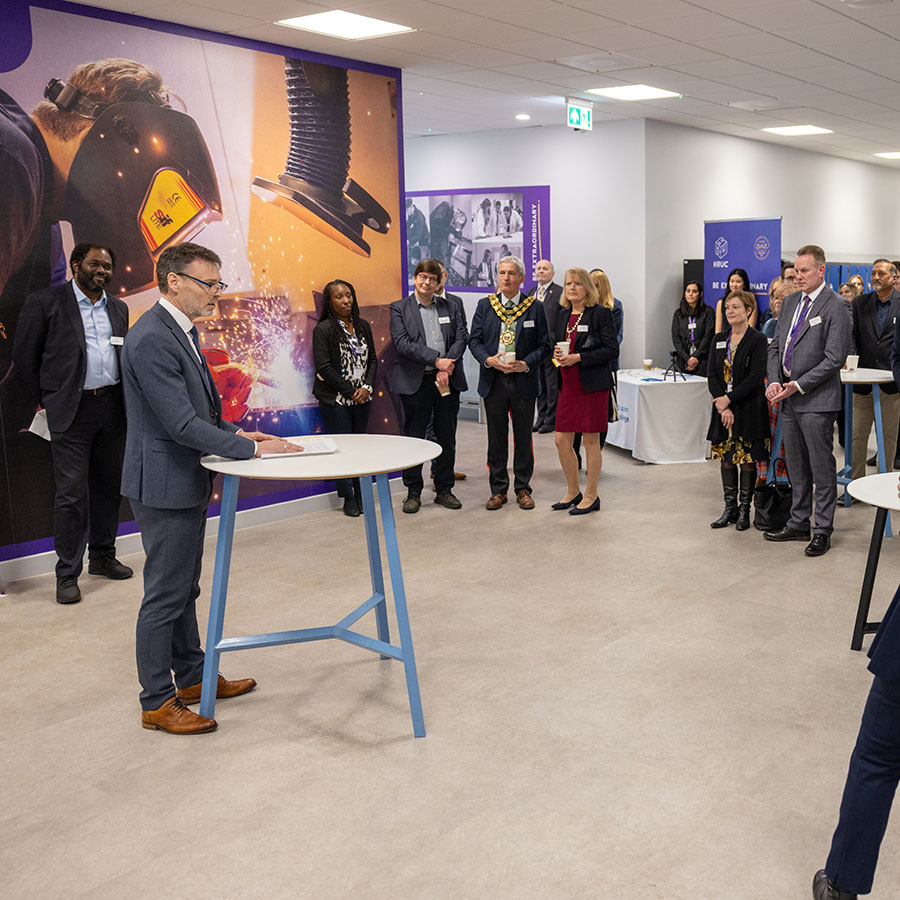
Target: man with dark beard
{"x":67,"y":347}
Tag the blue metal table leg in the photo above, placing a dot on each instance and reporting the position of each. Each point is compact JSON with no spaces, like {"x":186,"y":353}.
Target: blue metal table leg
{"x":848,"y":439}
{"x":374,"y":548}
{"x":393,"y":555}
{"x":879,"y":438}
{"x":219,"y":593}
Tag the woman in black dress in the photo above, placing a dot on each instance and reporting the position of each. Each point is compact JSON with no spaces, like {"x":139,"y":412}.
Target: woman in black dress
{"x":584,"y":382}
{"x":739,"y":428}
{"x":346,"y":360}
{"x":692,"y":330}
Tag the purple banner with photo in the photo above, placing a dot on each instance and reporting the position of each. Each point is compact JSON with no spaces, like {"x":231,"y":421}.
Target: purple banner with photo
{"x":471,"y":229}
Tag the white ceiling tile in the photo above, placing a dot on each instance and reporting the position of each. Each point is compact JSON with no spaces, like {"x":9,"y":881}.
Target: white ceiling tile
{"x":482,"y":57}
{"x":554,"y":18}
{"x":716,"y":68}
{"x":622,"y":38}
{"x":548,"y":48}
{"x":268,"y":10}
{"x":291,"y":37}
{"x":673,"y":54}
{"x":790,"y":61}
{"x":702,"y":26}
{"x":835,"y":34}
{"x":540,"y":70}
{"x":785,"y":14}
{"x":632,"y":12}
{"x":199,"y":17}
{"x":750,"y":44}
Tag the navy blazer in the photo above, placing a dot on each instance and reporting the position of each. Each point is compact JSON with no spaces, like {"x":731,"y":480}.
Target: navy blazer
{"x":597,"y":345}
{"x":50,"y":351}
{"x":532,"y":345}
{"x":413,"y":354}
{"x":873,"y":347}
{"x":174,"y":418}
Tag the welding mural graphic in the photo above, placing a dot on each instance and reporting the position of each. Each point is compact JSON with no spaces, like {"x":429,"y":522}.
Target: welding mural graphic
{"x":287,"y":167}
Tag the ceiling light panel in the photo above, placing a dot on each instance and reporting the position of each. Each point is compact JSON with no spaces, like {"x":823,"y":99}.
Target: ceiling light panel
{"x":633,"y":92}
{"x":797,"y":130}
{"x":345,"y":25}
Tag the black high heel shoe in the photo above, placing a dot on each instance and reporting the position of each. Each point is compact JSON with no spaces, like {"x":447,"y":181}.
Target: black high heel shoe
{"x":578,"y":511}
{"x":565,"y":504}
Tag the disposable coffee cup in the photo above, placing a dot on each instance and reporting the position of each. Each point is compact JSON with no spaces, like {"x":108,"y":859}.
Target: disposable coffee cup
{"x":648,"y":363}
{"x":852,"y":363}
{"x":563,"y":347}
{"x":443,"y":390}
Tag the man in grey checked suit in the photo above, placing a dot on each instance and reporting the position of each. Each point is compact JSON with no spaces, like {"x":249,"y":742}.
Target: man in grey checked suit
{"x":175,"y":417}
{"x":805,"y":358}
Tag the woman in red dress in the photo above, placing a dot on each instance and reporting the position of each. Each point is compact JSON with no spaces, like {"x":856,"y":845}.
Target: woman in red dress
{"x":585,"y":346}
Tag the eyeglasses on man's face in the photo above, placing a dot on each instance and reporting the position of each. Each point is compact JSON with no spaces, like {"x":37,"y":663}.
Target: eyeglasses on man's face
{"x":213,"y":287}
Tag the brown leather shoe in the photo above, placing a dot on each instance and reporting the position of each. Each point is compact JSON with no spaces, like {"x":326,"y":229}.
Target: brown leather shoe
{"x":524,"y":499}
{"x":173,"y":716}
{"x":496,"y":501}
{"x":224,"y":689}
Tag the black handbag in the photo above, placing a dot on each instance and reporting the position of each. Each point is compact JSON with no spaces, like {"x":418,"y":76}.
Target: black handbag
{"x":771,"y":506}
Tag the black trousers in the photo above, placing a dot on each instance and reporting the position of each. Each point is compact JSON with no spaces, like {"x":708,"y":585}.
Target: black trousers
{"x":168,"y":638}
{"x":87,"y":470}
{"x":546,"y":405}
{"x":346,"y":420}
{"x":868,"y":792}
{"x":502,"y":403}
{"x":425,"y":405}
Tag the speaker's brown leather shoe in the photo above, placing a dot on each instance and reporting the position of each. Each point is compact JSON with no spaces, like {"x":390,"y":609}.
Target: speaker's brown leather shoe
{"x":173,"y":716}
{"x":224,"y":689}
{"x":496,"y":501}
{"x":524,"y":499}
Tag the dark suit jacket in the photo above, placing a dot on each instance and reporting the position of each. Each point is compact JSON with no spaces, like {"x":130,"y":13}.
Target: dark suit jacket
{"x":173,"y":417}
{"x":329,"y":381}
{"x":820,"y":351}
{"x":873,"y":346}
{"x":748,"y":392}
{"x":552,"y":308}
{"x":532,"y":345}
{"x":413,"y":354}
{"x":703,"y":335}
{"x":597,"y":345}
{"x":50,"y":352}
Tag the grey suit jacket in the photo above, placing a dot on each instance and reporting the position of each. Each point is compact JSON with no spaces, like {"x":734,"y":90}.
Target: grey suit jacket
{"x":173,"y":417}
{"x":820,"y":350}
{"x":413,"y":354}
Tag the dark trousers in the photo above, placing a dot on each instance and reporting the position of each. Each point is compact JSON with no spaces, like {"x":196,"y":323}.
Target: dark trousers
{"x":425,"y":405}
{"x":546,"y":405}
{"x":168,"y":639}
{"x":87,"y":471}
{"x":346,"y":420}
{"x":502,"y":403}
{"x":808,"y":453}
{"x":869,"y":791}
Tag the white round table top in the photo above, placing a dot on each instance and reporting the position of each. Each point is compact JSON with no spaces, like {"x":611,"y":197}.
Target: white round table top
{"x":877,"y":490}
{"x":357,"y":454}
{"x":866,"y":376}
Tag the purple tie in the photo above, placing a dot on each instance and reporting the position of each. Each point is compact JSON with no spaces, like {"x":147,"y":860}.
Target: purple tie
{"x":789,"y":351}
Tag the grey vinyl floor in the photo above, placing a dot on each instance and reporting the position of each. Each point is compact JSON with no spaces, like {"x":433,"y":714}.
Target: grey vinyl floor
{"x":624,"y":705}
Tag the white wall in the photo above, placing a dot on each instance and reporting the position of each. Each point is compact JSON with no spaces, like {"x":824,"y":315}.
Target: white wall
{"x":596,"y":194}
{"x":632,"y":195}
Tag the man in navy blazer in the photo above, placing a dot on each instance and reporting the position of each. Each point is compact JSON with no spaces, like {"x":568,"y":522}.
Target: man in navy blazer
{"x":175,"y":418}
{"x":872,"y":777}
{"x":510,"y":341}
{"x":549,"y":293}
{"x":67,"y":346}
{"x":429,"y":334}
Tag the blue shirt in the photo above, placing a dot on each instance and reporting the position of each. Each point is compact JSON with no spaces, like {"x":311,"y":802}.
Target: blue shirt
{"x":102,"y":364}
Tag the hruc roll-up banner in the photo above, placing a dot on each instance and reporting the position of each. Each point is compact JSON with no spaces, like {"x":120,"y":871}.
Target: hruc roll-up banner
{"x":753,"y":245}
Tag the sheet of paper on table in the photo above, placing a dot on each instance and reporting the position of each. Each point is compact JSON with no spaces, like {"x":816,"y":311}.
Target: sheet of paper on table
{"x":311,"y":447}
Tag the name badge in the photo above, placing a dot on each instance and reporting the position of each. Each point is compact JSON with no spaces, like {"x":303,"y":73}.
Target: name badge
{"x":582,"y":328}
{"x":116,"y":341}
{"x":443,"y":320}
{"x":817,"y":320}
{"x":528,"y":323}
{"x":720,"y":345}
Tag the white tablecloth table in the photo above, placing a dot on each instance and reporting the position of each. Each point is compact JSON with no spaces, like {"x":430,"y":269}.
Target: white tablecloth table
{"x":662,"y":421}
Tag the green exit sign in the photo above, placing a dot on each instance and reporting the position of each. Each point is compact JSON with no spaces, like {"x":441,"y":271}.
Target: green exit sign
{"x":578,"y":115}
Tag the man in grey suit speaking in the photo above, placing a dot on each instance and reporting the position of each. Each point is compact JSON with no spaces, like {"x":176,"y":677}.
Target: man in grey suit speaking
{"x":174,"y":417}
{"x":805,"y":358}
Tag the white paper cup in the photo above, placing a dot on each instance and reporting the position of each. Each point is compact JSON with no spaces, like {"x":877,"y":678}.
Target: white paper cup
{"x":852,"y":363}
{"x":563,"y":347}
{"x":648,"y":363}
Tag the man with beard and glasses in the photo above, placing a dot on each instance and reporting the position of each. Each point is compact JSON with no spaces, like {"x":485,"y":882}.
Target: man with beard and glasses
{"x":68,"y":341}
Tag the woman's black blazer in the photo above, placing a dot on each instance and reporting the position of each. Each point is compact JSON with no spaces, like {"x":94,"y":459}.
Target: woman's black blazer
{"x":681,"y":337}
{"x":598,"y":346}
{"x":329,"y":382}
{"x":748,"y":392}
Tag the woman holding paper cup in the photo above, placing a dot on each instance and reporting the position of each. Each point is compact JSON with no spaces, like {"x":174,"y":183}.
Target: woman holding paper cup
{"x":739,"y":426}
{"x":586,"y":345}
{"x":346,"y":360}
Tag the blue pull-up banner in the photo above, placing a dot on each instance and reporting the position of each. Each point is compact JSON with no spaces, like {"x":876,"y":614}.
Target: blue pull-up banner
{"x":750,"y":244}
